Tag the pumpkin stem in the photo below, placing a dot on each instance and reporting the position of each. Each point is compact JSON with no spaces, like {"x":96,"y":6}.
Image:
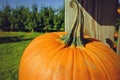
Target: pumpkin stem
{"x":76,"y":35}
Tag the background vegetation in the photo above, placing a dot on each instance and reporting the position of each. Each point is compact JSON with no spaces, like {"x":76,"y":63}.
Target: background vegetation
{"x":18,"y":27}
{"x":32,"y":20}
{"x":19,"y":23}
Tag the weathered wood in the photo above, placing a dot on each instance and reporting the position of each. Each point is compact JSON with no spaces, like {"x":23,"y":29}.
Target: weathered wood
{"x":69,"y":15}
{"x":92,"y":27}
{"x":106,"y":33}
{"x":118,"y":44}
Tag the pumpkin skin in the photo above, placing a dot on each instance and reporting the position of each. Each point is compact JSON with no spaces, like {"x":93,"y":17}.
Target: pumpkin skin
{"x":69,"y":56}
{"x":48,"y":58}
{"x":118,"y":10}
{"x":116,"y":35}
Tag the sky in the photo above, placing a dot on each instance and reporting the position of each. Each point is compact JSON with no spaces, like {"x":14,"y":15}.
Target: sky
{"x":29,"y":3}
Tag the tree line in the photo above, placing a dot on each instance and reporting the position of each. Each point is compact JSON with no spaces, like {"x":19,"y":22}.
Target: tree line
{"x":31,"y":19}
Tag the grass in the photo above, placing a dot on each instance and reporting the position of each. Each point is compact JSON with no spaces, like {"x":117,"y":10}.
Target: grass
{"x":12,"y":45}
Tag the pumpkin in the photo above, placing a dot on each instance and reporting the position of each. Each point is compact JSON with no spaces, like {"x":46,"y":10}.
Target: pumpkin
{"x":116,"y":35}
{"x":118,"y":10}
{"x":69,"y":56}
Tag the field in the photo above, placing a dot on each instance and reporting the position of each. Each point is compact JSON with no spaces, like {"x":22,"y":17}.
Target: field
{"x":12,"y":45}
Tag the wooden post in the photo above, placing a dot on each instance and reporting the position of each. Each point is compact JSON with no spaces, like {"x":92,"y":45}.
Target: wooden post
{"x":99,"y":16}
{"x":118,"y":44}
{"x":69,"y":15}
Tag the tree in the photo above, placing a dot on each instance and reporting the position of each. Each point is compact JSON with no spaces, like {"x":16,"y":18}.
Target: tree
{"x":4,"y":18}
{"x":47,"y":18}
{"x":17,"y":19}
{"x":59,"y":19}
{"x":34,"y":16}
{"x":23,"y":19}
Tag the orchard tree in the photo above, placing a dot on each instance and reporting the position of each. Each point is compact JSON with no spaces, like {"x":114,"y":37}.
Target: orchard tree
{"x":34,"y":16}
{"x":5,"y":18}
{"x":47,"y":18}
{"x":59,"y":19}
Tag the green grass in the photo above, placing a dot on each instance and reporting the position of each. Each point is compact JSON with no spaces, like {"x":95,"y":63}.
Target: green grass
{"x":12,"y":45}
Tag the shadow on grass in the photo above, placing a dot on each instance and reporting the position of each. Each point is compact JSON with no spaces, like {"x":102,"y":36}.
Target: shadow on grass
{"x":13,"y":39}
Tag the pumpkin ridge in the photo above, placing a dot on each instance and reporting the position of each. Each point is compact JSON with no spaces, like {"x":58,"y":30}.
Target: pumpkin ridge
{"x":93,"y":53}
{"x":59,"y":61}
{"x":73,"y":63}
{"x":75,"y":57}
{"x":103,"y":66}
{"x":103,"y":50}
{"x":25,"y":61}
{"x":85,"y":61}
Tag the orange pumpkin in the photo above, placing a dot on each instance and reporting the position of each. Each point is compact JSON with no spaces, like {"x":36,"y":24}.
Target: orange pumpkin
{"x":116,"y":35}
{"x":118,"y":10}
{"x":72,"y":56}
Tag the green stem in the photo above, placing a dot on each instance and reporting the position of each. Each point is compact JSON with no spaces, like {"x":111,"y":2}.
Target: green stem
{"x":76,"y":36}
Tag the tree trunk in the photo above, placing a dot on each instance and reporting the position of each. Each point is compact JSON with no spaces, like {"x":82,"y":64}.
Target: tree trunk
{"x":32,"y":30}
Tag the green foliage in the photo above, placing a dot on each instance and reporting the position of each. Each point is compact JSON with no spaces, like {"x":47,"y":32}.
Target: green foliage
{"x":11,"y":52}
{"x":59,"y":19}
{"x":5,"y":18}
{"x":117,"y":23}
{"x":47,"y":18}
{"x":32,"y":20}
